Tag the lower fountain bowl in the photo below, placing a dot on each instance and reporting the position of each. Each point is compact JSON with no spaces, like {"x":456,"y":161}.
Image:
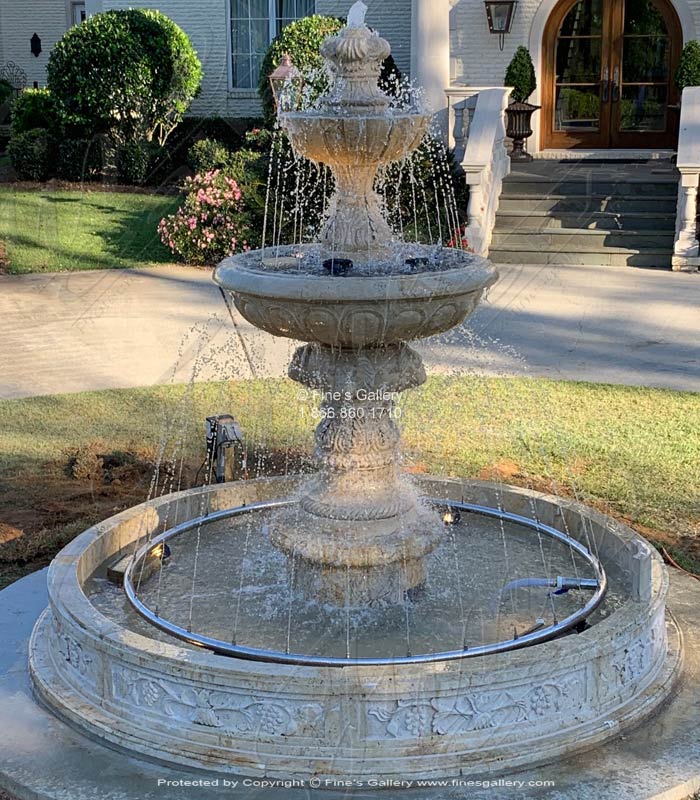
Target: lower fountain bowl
{"x":165,"y":700}
{"x":357,"y":310}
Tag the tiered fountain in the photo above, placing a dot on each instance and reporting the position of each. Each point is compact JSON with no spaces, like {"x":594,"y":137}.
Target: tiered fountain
{"x":337,"y":625}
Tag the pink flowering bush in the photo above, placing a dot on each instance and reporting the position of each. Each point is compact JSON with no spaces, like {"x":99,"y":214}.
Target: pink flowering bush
{"x":211,"y":224}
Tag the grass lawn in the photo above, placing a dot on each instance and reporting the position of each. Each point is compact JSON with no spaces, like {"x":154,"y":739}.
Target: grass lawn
{"x":67,"y":461}
{"x":46,"y":230}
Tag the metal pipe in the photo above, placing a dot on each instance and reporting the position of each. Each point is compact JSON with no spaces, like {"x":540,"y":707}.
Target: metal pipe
{"x":301,"y":659}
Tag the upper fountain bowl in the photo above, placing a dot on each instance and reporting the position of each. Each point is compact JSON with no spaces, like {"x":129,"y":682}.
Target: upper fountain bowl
{"x":355,"y":141}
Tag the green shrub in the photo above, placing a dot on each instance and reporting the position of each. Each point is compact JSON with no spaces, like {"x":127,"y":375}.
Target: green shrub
{"x":136,"y":162}
{"x":192,"y":129}
{"x":6,"y":91}
{"x":7,"y":94}
{"x":688,"y":69}
{"x":208,"y":154}
{"x":521,"y":75}
{"x":36,"y":108}
{"x":32,"y":154}
{"x":427,"y":196}
{"x":128,"y":74}
{"x":79,"y":159}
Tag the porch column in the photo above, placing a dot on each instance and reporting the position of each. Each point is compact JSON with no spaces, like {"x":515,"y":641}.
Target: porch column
{"x":430,"y":53}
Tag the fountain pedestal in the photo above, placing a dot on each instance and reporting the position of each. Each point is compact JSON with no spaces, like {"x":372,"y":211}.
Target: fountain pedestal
{"x":359,"y":532}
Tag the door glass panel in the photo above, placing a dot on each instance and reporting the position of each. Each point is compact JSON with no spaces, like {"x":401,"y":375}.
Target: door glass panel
{"x":643,"y":108}
{"x":645,"y":59}
{"x":577,"y":108}
{"x":577,"y":64}
{"x":578,"y":60}
{"x":645,"y":68}
{"x":643,"y":17}
{"x":584,"y":19}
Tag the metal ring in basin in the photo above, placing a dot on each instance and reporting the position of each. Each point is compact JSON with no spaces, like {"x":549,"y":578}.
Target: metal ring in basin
{"x":301,"y":659}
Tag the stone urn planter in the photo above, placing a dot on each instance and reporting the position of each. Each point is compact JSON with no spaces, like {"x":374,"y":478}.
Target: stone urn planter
{"x":519,"y":128}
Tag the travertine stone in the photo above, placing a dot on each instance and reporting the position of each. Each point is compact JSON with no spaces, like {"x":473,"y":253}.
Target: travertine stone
{"x":359,"y":532}
{"x":489,"y":714}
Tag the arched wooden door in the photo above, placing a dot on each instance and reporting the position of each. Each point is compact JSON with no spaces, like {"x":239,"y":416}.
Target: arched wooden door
{"x":608,"y":74}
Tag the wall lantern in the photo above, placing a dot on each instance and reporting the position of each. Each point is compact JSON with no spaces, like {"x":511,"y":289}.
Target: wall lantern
{"x":285,"y":82}
{"x":499,"y":14}
{"x":35,"y":45}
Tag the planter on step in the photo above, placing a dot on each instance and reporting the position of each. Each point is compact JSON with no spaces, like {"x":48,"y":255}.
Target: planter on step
{"x":519,"y":128}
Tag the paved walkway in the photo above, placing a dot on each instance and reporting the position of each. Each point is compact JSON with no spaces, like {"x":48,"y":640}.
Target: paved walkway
{"x":95,"y":330}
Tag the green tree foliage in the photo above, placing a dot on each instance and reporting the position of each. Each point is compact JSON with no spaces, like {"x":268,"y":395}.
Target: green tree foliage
{"x":128,"y":74}
{"x":302,"y":40}
{"x":688,"y":69}
{"x":36,"y":108}
{"x":521,"y":75}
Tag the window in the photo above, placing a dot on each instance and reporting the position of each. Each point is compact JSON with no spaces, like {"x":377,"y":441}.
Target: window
{"x":254,"y":24}
{"x":77,"y":13}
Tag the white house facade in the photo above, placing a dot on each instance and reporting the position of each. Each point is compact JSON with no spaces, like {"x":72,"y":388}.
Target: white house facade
{"x":604,"y":67}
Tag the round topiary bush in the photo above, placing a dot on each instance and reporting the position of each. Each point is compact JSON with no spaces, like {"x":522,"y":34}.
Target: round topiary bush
{"x":128,"y":74}
{"x":688,"y":69}
{"x":36,"y":108}
{"x":521,"y":75}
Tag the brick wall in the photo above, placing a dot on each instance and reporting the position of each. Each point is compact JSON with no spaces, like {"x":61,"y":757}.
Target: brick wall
{"x":48,"y":19}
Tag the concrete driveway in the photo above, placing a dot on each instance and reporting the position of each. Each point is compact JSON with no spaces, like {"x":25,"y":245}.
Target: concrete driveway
{"x":96,"y":330}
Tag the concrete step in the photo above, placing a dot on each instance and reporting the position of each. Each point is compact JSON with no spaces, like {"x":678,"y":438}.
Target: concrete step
{"x":583,"y":188}
{"x":559,"y":203}
{"x":582,"y":240}
{"x":534,"y":221}
{"x":649,"y":259}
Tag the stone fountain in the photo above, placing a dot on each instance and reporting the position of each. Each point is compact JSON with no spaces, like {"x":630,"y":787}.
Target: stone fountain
{"x":362,"y":636}
{"x":360,"y":532}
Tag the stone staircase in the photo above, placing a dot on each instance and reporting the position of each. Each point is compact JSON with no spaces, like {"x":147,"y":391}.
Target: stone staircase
{"x":582,"y":213}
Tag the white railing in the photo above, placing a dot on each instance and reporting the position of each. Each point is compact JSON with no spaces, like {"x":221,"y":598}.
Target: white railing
{"x":686,"y":251}
{"x":478,"y":135}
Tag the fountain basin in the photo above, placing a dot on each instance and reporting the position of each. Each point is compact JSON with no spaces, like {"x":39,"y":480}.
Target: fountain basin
{"x":358,"y":310}
{"x":137,"y":690}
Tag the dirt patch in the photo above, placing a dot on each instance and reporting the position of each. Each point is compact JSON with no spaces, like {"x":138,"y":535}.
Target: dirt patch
{"x":42,"y":512}
{"x":4,"y":259}
{"x":503,"y":470}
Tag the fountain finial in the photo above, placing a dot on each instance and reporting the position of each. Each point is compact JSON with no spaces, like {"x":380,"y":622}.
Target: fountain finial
{"x":356,"y":15}
{"x":355,"y":56}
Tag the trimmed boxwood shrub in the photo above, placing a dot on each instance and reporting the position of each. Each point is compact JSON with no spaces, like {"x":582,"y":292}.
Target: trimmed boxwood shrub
{"x":33,"y":154}
{"x":136,"y":162}
{"x":521,"y":75}
{"x":80,"y":159}
{"x":688,"y":69}
{"x":128,"y":74}
{"x":36,"y":108}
